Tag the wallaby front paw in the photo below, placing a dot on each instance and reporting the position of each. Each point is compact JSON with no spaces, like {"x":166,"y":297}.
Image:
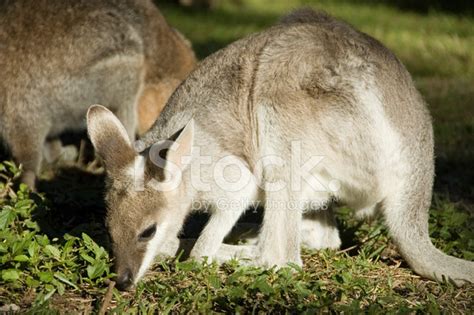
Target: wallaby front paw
{"x":321,"y":238}
{"x":226,"y":252}
{"x":270,"y":261}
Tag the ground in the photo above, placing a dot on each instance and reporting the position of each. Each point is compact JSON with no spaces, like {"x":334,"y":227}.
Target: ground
{"x":50,"y":259}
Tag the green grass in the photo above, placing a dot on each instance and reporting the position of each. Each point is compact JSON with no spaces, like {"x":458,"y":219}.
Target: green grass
{"x":50,"y":259}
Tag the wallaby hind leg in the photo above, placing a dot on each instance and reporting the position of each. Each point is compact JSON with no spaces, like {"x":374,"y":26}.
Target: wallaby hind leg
{"x":319,"y":229}
{"x":406,"y":214}
{"x":26,"y":148}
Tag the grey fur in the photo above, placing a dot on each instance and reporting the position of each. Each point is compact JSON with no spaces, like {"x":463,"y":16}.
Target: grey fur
{"x":312,"y":79}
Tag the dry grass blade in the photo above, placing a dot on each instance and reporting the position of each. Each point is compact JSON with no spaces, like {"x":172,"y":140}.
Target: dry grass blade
{"x":107,"y":298}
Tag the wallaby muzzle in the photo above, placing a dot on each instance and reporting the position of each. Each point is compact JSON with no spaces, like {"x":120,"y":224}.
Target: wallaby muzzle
{"x":124,"y":280}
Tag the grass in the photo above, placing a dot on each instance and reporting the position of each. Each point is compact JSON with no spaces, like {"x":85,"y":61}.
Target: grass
{"x":52,"y":245}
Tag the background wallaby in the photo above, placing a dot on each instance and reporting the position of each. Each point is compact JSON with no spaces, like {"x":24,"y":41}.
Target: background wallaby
{"x":57,"y":57}
{"x":308,"y":87}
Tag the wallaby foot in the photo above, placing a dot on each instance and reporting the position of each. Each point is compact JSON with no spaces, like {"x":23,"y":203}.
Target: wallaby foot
{"x":28,"y":177}
{"x":27,"y":151}
{"x":319,"y":230}
{"x":174,"y":246}
{"x":55,"y":151}
{"x":245,"y":253}
{"x":52,"y":150}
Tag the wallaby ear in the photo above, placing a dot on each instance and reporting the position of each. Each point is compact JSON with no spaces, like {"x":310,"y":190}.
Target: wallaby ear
{"x":109,"y":138}
{"x":170,"y":154}
{"x":181,"y":148}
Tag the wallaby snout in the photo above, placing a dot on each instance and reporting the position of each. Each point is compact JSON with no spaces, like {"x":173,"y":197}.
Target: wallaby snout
{"x":124,"y":280}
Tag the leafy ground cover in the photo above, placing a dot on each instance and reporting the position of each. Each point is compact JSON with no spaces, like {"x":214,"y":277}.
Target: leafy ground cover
{"x":53,"y":249}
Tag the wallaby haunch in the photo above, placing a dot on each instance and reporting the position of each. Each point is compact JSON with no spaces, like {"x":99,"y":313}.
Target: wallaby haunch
{"x":57,"y":57}
{"x":307,"y":112}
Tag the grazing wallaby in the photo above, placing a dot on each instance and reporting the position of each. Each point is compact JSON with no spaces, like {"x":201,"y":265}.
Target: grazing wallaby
{"x":57,"y":57}
{"x":306,"y":112}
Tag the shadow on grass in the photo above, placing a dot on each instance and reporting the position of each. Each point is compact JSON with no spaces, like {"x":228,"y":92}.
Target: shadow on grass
{"x":454,"y":179}
{"x":75,"y":205}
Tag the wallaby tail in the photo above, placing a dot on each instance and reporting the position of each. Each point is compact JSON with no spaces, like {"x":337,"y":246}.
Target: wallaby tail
{"x":407,"y":218}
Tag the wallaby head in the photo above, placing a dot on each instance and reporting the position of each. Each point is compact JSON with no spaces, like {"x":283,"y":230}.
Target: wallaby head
{"x":140,"y":218}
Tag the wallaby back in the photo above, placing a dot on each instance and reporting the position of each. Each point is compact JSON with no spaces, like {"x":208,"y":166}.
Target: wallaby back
{"x":59,"y":57}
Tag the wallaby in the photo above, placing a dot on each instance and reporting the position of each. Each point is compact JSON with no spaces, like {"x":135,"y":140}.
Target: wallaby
{"x":57,"y":57}
{"x":304,"y":113}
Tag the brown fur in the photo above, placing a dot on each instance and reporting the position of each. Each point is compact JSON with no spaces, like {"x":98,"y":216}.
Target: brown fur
{"x":60,"y":56}
{"x":152,"y":101}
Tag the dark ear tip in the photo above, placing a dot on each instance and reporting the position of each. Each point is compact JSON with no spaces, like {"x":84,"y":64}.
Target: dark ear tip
{"x":96,"y":109}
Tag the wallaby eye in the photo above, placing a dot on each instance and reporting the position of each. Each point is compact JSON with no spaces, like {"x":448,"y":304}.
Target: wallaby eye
{"x":148,"y":233}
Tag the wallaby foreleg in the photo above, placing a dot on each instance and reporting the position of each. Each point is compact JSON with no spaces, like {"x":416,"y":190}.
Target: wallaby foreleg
{"x":219,"y":225}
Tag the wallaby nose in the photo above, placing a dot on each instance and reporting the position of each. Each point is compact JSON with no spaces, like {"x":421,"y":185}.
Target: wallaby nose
{"x":124,"y":280}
